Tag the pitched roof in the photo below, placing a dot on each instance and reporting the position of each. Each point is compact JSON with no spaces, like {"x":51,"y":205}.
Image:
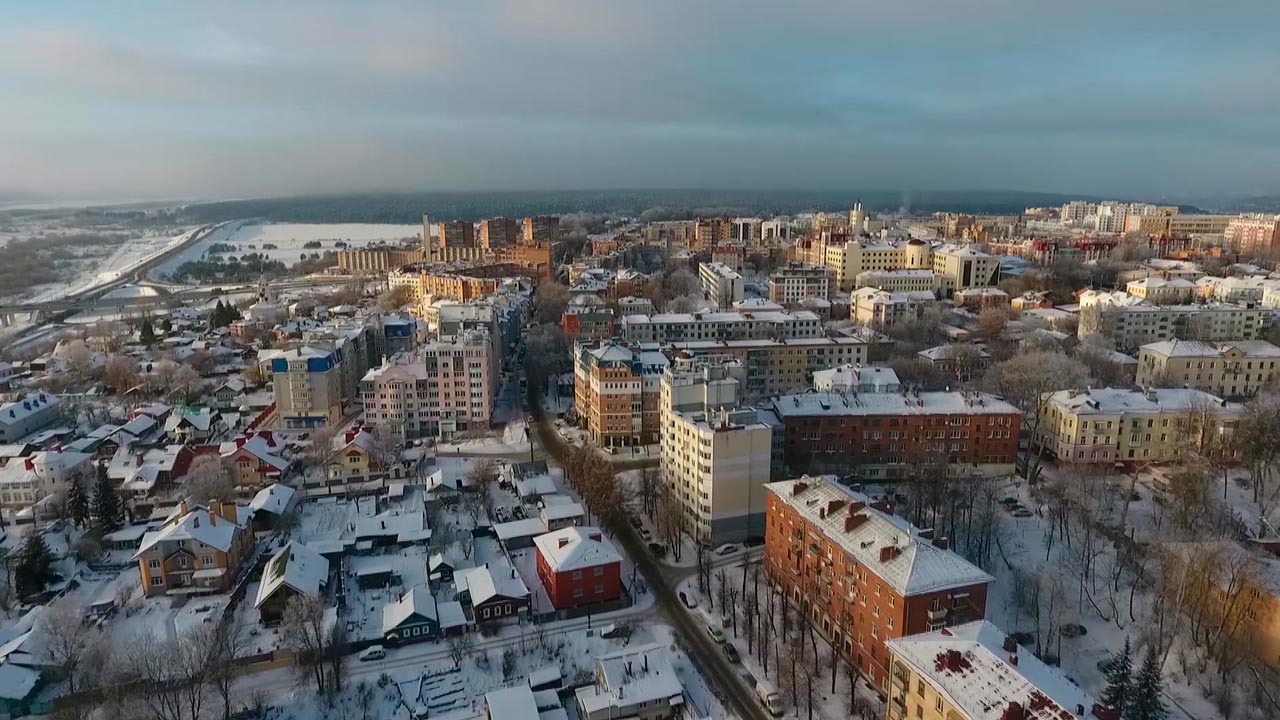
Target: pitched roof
{"x":576,"y":548}
{"x":913,"y":566}
{"x":632,"y":677}
{"x":418,"y":601}
{"x":485,"y":584}
{"x":297,"y":567}
{"x":194,"y":525}
{"x":971,"y":667}
{"x":262,"y":445}
{"x":274,"y":498}
{"x":24,"y":407}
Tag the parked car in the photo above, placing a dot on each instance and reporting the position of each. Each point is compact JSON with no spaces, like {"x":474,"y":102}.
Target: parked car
{"x":658,"y":549}
{"x":373,"y":652}
{"x":716,"y":633}
{"x":727,"y":549}
{"x":688,"y":601}
{"x":731,"y":652}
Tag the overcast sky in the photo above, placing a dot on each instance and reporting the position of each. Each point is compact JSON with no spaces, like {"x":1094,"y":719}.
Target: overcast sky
{"x":229,"y":99}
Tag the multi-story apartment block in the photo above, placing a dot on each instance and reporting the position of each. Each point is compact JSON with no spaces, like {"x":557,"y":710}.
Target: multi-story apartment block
{"x":977,"y":672}
{"x":773,"y":367}
{"x":960,"y":267}
{"x":27,"y":481}
{"x":198,"y":549}
{"x":792,"y":285}
{"x":377,"y":260}
{"x":688,"y":327}
{"x":1229,"y":369}
{"x":456,"y":283}
{"x":1254,"y":234}
{"x":710,"y":232}
{"x":721,"y":284}
{"x":616,"y":391}
{"x":444,"y":388}
{"x":457,"y":233}
{"x":862,"y":575}
{"x":1132,"y":325}
{"x":541,"y":230}
{"x":306,"y":384}
{"x":499,"y":232}
{"x":27,"y":414}
{"x":1110,"y":425}
{"x":732,"y":256}
{"x":1237,"y":290}
{"x":884,"y":434}
{"x":850,"y":258}
{"x":899,"y":280}
{"x":716,"y":457}
{"x":881,"y":309}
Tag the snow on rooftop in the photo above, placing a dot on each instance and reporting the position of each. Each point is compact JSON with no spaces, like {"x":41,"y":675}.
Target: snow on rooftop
{"x":417,"y":601}
{"x":195,"y":525}
{"x":1198,"y":348}
{"x":632,"y":677}
{"x":1120,"y":401}
{"x":296,"y":567}
{"x":512,"y":703}
{"x":915,"y":566}
{"x":970,"y":664}
{"x":485,"y":583}
{"x":274,"y":498}
{"x":891,"y":403}
{"x":576,"y":548}
{"x":22,"y":408}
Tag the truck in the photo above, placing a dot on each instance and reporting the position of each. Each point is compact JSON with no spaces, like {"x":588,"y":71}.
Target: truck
{"x":769,"y":697}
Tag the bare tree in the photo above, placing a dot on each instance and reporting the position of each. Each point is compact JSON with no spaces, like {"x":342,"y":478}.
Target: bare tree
{"x":210,"y":478}
{"x":1026,"y":381}
{"x":66,"y":643}
{"x":670,"y":520}
{"x":122,"y":373}
{"x":992,"y":321}
{"x":309,"y":630}
{"x":482,"y":476}
{"x":550,"y":301}
{"x":460,"y":648}
{"x":228,"y":640}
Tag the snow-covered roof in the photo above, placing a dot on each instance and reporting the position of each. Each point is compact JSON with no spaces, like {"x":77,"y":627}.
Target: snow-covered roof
{"x":199,"y":418}
{"x":16,"y":682}
{"x":450,"y":614}
{"x":1197,"y":348}
{"x":632,"y":677}
{"x":194,"y":525}
{"x":1126,"y":401}
{"x":972,"y":666}
{"x":485,"y":583}
{"x":847,"y":376}
{"x":124,"y":465}
{"x":274,"y":498}
{"x":403,"y":526}
{"x":22,"y":408}
{"x":949,"y":350}
{"x":561,"y":510}
{"x":528,"y":527}
{"x":535,"y":485}
{"x":262,"y":445}
{"x":913,"y":565}
{"x":890,"y":403}
{"x":576,"y":548}
{"x":139,"y":426}
{"x":418,"y":601}
{"x":296,"y":567}
{"x":512,"y":703}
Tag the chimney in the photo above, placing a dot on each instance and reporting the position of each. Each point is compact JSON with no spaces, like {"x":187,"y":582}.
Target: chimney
{"x":1013,"y":659}
{"x":1079,"y":710}
{"x":888,"y":553}
{"x":1014,"y":712}
{"x":240,"y":442}
{"x":1010,"y":645}
{"x":953,"y":660}
{"x":834,"y":505}
{"x":852,"y":522}
{"x":595,"y":536}
{"x":213,"y":516}
{"x":30,"y":463}
{"x":799,"y":488}
{"x":856,"y":506}
{"x":941,"y":542}
{"x":182,"y":508}
{"x":1102,"y":712}
{"x":563,"y":542}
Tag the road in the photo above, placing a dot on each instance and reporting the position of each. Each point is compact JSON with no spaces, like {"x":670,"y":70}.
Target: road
{"x":706,"y":654}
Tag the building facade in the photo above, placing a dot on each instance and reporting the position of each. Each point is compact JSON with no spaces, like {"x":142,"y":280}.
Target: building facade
{"x":721,"y":284}
{"x":616,"y":392}
{"x":791,"y":285}
{"x":1229,"y":369}
{"x":690,"y":327}
{"x":197,"y":550}
{"x":442,"y":389}
{"x":306,"y":383}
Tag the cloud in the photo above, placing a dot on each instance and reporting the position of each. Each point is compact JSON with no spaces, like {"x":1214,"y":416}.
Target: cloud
{"x":267,"y":98}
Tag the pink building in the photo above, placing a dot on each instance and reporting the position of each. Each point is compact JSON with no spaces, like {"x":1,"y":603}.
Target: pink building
{"x":442,"y":389}
{"x":1253,"y":234}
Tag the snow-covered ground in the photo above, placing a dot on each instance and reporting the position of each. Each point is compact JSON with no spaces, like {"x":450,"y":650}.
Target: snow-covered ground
{"x":288,"y":240}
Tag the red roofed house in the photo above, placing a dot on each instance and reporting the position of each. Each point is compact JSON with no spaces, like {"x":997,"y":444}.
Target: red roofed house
{"x":578,"y":566}
{"x":255,"y":458}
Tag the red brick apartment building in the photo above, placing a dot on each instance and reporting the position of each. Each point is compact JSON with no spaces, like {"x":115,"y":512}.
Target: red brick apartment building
{"x":862,"y":575}
{"x":578,"y":566}
{"x":883,"y":434}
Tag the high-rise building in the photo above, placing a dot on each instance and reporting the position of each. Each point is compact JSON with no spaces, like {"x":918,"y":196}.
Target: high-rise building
{"x":306,"y":383}
{"x":791,"y":285}
{"x":710,"y":232}
{"x":616,"y":393}
{"x":457,"y":233}
{"x":1253,"y":235}
{"x":541,"y":229}
{"x":499,"y":232}
{"x":721,"y":284}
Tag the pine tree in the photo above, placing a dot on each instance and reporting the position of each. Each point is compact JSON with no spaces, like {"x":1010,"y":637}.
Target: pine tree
{"x":146,"y":333}
{"x":33,"y":571}
{"x":1119,"y":679}
{"x":166,"y":325}
{"x":1145,"y":702}
{"x":78,"y":504}
{"x":108,"y":513}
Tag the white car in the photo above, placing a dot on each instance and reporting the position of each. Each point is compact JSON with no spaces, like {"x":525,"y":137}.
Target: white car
{"x":727,"y":550}
{"x":373,"y":652}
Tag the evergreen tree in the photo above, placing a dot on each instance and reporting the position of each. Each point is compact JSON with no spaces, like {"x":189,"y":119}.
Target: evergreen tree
{"x":166,"y":325}
{"x":108,"y":512}
{"x":147,"y":334}
{"x":1145,"y":702}
{"x":1119,"y":679}
{"x":33,"y":570}
{"x":78,"y":504}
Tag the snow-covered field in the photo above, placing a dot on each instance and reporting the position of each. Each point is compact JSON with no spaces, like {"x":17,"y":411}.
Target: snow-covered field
{"x":288,"y":240}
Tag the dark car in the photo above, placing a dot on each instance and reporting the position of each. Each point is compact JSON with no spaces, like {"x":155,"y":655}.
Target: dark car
{"x":687,"y":601}
{"x":658,"y":549}
{"x":731,"y":652}
{"x":635,"y":522}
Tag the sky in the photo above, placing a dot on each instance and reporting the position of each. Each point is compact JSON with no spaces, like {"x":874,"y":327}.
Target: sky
{"x":142,"y":100}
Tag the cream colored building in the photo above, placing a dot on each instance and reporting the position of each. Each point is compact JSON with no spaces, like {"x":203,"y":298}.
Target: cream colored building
{"x":721,"y":284}
{"x":1159,"y":291}
{"x":715,"y":459}
{"x":684,"y":327}
{"x":878,"y":308}
{"x":899,"y":280}
{"x":1228,"y":369}
{"x":307,"y":386}
{"x":1129,"y":326}
{"x":1109,"y":425}
{"x":853,"y":257}
{"x":961,"y":267}
{"x":976,"y":671}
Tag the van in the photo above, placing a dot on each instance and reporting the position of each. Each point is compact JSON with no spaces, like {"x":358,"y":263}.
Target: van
{"x":769,"y":697}
{"x":373,"y":652}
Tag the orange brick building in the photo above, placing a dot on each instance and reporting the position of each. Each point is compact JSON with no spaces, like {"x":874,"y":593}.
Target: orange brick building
{"x":860,"y":574}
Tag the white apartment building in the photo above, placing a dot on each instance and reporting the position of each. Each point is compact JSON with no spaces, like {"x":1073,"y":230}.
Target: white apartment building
{"x":1228,"y":369}
{"x":716,"y":460}
{"x":721,"y":284}
{"x":685,"y":327}
{"x":442,"y":389}
{"x":24,"y":482}
{"x":1159,"y":291}
{"x":856,"y":379}
{"x":877,"y":308}
{"x":1133,"y":325}
{"x":797,"y":282}
{"x":1239,"y":290}
{"x":27,"y":414}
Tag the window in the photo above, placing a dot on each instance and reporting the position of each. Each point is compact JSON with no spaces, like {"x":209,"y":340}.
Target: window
{"x":598,"y":571}
{"x":937,"y":704}
{"x":577,"y":574}
{"x":153,"y":563}
{"x":599,"y":590}
{"x":157,"y":580}
{"x":577,"y":592}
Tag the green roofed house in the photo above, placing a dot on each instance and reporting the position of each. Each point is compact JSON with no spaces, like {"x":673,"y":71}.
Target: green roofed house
{"x":295,"y":570}
{"x":411,"y":618}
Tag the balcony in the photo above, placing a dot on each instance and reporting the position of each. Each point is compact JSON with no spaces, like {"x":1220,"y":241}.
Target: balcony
{"x":937,"y":615}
